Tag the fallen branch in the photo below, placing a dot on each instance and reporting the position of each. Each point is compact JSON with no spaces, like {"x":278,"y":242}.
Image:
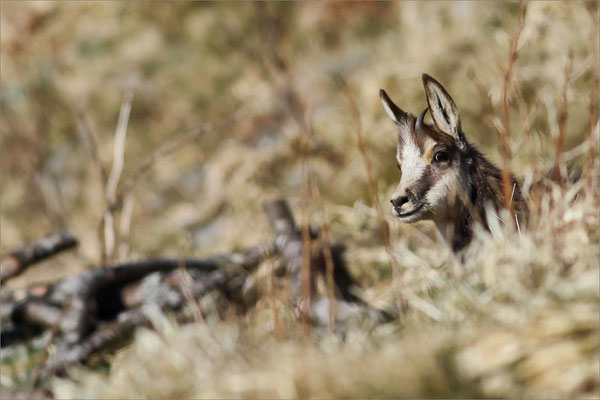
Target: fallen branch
{"x":77,"y":304}
{"x":35,"y":312}
{"x":289,"y":244}
{"x":98,"y":308}
{"x":288,"y":241}
{"x":127,"y":321}
{"x":122,"y":274}
{"x":86,"y":291}
{"x":17,"y":262}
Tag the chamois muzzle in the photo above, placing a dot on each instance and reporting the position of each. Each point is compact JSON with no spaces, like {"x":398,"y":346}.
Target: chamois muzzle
{"x":398,"y":202}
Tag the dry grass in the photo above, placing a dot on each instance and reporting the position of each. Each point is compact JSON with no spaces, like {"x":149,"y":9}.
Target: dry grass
{"x":518,"y":319}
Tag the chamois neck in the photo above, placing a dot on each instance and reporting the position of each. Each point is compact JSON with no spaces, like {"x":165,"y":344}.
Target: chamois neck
{"x":481,"y":186}
{"x":457,"y":233}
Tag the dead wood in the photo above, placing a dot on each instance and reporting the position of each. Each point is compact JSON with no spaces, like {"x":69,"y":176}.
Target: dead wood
{"x":128,"y":320}
{"x":103,"y":306}
{"x":99,"y":289}
{"x":289,"y":244}
{"x":17,"y":261}
{"x":35,"y":312}
{"x":288,"y":241}
{"x":121,"y":274}
{"x":96,"y":341}
{"x":78,"y":305}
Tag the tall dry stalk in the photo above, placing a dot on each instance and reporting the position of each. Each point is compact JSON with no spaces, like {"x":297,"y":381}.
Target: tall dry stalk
{"x":125,"y":227}
{"x":483,"y":93}
{"x":384,"y":229}
{"x":90,"y":142}
{"x":272,"y":299}
{"x":562,"y":121}
{"x":594,"y":101}
{"x":118,"y":161}
{"x":513,"y":54}
{"x":329,"y":264}
{"x":305,"y":194}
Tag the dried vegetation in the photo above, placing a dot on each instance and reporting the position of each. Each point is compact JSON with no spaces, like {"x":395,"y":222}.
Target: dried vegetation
{"x":263,"y":89}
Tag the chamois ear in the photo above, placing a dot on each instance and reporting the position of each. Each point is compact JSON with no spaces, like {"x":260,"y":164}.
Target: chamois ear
{"x":393,"y":111}
{"x":443,"y":110}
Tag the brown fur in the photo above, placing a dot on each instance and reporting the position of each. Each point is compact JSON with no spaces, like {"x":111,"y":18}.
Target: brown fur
{"x":483,"y":187}
{"x":461,"y":190}
{"x":480,"y":185}
{"x":473,"y":189}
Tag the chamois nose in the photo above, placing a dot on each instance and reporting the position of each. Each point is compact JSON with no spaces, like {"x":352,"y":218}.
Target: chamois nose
{"x":399,"y":201}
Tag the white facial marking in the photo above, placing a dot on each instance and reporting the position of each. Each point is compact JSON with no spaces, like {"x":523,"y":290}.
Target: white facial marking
{"x":412,"y":163}
{"x":410,"y":155}
{"x":437,"y":195}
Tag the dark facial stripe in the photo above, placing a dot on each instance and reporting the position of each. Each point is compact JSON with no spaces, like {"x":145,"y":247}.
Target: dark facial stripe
{"x":420,"y":189}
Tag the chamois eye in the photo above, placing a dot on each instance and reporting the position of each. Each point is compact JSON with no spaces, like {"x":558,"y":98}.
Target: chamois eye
{"x":441,"y":156}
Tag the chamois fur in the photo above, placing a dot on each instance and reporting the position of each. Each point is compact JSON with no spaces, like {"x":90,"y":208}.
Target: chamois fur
{"x":483,"y":189}
{"x":444,"y":177}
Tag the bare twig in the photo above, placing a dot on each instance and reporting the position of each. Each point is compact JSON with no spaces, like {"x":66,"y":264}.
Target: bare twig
{"x":119,"y":146}
{"x":527,"y":119}
{"x":53,"y":201}
{"x":185,"y":283}
{"x":305,"y":193}
{"x":90,"y":142}
{"x":562,"y":121}
{"x":288,"y":241}
{"x":78,"y":305}
{"x":593,"y":104}
{"x":16,"y":262}
{"x":108,"y":236}
{"x":505,"y":137}
{"x":124,"y":227}
{"x":35,"y":311}
{"x":271,"y":293}
{"x":115,"y":174}
{"x":384,"y":228}
{"x":329,"y":263}
{"x":487,"y":99}
{"x":46,"y":347}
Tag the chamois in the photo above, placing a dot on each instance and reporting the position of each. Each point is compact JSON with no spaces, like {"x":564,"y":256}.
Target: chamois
{"x":444,"y":178}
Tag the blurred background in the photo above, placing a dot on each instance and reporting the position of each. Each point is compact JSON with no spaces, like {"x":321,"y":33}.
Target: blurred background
{"x":253,"y":79}
{"x":224,"y":105}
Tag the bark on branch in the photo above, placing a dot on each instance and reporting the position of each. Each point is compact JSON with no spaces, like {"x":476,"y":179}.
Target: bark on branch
{"x":289,"y":244}
{"x":17,"y":262}
{"x":97,"y":308}
{"x":128,"y":320}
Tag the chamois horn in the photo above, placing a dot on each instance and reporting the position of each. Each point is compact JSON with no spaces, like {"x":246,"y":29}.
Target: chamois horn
{"x":419,"y":122}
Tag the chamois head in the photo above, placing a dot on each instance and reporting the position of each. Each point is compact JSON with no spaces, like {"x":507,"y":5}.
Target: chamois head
{"x":443,"y":177}
{"x":431,"y":158}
